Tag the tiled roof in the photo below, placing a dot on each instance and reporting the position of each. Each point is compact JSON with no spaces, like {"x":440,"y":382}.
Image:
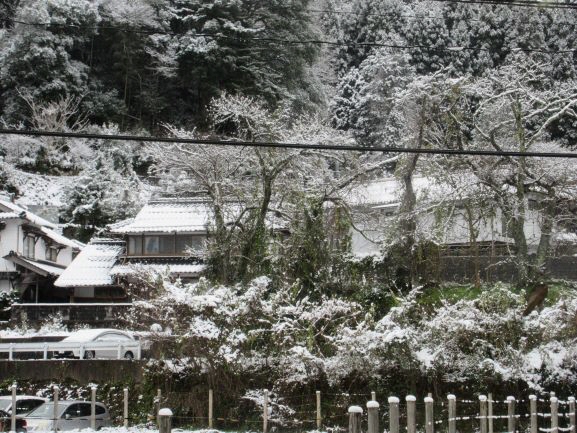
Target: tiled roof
{"x":38,"y":267}
{"x":168,"y":216}
{"x":93,"y":265}
{"x":62,"y":240}
{"x":174,"y":266}
{"x":8,"y":206}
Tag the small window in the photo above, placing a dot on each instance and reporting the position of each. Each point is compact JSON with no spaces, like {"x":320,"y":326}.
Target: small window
{"x":151,"y":244}
{"x":166,"y":244}
{"x":29,"y":246}
{"x":25,"y":406}
{"x":186,"y":242}
{"x":135,"y":245}
{"x":84,"y":409}
{"x":52,"y":253}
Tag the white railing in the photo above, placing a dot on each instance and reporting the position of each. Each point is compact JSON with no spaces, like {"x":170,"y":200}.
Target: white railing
{"x":80,"y":349}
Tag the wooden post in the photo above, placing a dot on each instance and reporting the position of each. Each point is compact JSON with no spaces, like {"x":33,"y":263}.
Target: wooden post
{"x":319,"y":419}
{"x":511,"y":414}
{"x":45,"y":351}
{"x":571,"y":414}
{"x":157,"y":405}
{"x":554,"y":415}
{"x":13,"y":412}
{"x":393,"y":415}
{"x":490,"y":412}
{"x":533,"y":413}
{"x":210,"y":407}
{"x":55,"y":414}
{"x":429,"y":420}
{"x":93,"y":408}
{"x":411,"y":414}
{"x":165,"y":420}
{"x":265,"y":411}
{"x":125,"y":407}
{"x":483,"y":413}
{"x":373,"y":396}
{"x":11,"y":352}
{"x":355,"y":413}
{"x":452,"y":421}
{"x":373,"y":417}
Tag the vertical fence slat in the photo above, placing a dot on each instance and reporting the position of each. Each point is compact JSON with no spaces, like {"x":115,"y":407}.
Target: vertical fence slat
{"x":393,"y":415}
{"x":572,"y":414}
{"x":319,"y":419}
{"x":429,"y":420}
{"x":452,"y":403}
{"x":125,"y":423}
{"x":355,"y":414}
{"x":483,"y":413}
{"x":93,"y":408}
{"x":554,"y":415}
{"x":210,"y":408}
{"x":533,"y":414}
{"x":13,"y":414}
{"x":511,"y":414}
{"x":55,"y":414}
{"x":265,"y":411}
{"x":373,"y":417}
{"x":411,"y":413}
{"x":490,"y":412}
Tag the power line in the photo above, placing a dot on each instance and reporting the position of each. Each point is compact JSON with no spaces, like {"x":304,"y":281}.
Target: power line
{"x":280,"y":145}
{"x":449,"y":49}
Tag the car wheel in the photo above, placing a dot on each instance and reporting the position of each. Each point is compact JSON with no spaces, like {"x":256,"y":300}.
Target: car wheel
{"x":128,"y":355}
{"x":89,"y":354}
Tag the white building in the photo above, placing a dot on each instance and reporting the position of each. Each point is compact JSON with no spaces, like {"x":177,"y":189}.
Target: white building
{"x":32,"y":254}
{"x":441,"y":217}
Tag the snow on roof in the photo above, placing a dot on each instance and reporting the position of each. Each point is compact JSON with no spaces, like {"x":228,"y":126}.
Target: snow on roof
{"x":8,"y":215}
{"x":385,"y":191}
{"x":62,"y":240}
{"x":38,"y":267}
{"x":93,"y":265}
{"x":172,"y":268}
{"x":8,"y":206}
{"x":168,"y":216}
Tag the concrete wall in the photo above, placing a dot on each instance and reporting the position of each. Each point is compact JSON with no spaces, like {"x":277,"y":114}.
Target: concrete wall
{"x":82,"y":371}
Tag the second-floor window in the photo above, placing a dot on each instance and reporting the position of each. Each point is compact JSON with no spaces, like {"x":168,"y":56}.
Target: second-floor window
{"x":51,"y":253}
{"x":163,"y":245}
{"x":29,"y":246}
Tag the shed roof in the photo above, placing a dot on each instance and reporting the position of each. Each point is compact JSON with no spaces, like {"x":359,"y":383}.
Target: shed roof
{"x":93,"y":265}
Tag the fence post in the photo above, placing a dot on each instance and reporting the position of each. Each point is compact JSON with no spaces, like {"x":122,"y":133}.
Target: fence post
{"x":490,"y":412}
{"x":533,"y":413}
{"x":393,"y":415}
{"x":511,"y":414}
{"x":13,"y":412}
{"x":45,"y":351}
{"x":93,"y":407}
{"x":411,"y":414}
{"x":571,"y":414}
{"x":373,"y":396}
{"x":554,"y":415}
{"x":429,"y":420}
{"x":265,"y":411}
{"x":11,"y":352}
{"x":210,"y":406}
{"x":373,"y":417}
{"x":157,"y":405}
{"x":125,"y":423}
{"x":165,"y":420}
{"x":452,"y":421}
{"x":355,"y":413}
{"x":319,"y":410}
{"x":55,"y":400}
{"x":483,"y":413}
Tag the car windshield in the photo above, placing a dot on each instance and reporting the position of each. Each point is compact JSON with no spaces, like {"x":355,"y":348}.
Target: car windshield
{"x":46,"y":411}
{"x":5,"y":404}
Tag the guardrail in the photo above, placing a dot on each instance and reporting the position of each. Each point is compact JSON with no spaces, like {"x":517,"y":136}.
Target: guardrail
{"x":78,"y":349}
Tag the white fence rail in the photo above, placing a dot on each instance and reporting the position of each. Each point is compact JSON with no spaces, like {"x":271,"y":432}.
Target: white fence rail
{"x":101,"y":349}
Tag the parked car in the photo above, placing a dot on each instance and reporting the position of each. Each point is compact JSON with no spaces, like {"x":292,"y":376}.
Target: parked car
{"x":72,"y":415}
{"x":24,"y":403}
{"x":6,"y":423}
{"x":86,"y":336}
